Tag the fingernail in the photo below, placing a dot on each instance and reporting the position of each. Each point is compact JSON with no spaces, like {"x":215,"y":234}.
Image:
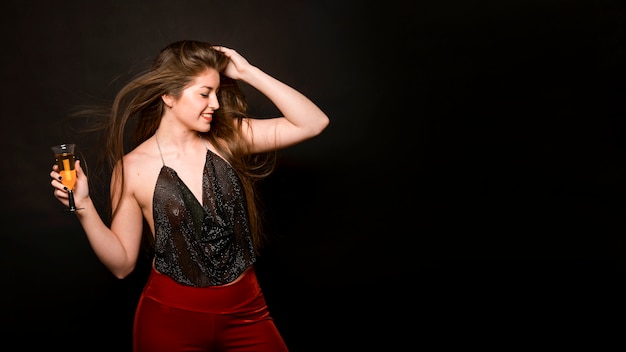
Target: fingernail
{"x":60,"y":178}
{"x":65,"y":188}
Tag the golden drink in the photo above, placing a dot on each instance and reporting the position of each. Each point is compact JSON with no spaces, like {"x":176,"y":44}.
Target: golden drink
{"x":65,"y":162}
{"x":65,"y":159}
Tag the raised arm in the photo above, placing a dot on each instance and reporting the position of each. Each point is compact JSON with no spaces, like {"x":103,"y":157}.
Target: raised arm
{"x":301,"y":120}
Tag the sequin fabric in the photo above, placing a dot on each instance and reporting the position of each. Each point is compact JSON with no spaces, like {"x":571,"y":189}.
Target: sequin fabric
{"x":204,"y":244}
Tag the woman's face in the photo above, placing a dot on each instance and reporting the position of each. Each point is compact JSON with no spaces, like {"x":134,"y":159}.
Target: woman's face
{"x":198,"y":101}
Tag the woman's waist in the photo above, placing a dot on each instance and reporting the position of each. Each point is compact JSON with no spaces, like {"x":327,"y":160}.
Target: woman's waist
{"x":243,"y":294}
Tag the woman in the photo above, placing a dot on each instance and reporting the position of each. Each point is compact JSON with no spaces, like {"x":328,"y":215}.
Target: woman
{"x":190,"y":178}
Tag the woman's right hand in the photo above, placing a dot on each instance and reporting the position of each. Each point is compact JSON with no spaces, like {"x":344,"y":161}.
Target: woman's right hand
{"x":81,"y":188}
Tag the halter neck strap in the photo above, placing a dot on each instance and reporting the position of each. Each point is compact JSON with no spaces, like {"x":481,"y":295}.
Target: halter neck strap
{"x":156,"y":137}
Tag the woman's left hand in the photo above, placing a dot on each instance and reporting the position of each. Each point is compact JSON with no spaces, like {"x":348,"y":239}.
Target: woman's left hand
{"x":237,"y":65}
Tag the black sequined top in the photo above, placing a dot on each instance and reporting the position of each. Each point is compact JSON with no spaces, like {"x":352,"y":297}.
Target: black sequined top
{"x":204,"y":244}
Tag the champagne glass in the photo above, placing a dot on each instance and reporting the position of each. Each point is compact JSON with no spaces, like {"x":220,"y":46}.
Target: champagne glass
{"x":65,"y":159}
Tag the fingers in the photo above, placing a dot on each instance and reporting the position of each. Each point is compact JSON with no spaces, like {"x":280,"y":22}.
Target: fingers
{"x":224,"y":50}
{"x":56,"y":180}
{"x":54,"y":174}
{"x":60,"y":194}
{"x":59,"y":190}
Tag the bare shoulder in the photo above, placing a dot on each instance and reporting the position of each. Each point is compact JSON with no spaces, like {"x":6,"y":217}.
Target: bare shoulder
{"x":141,"y":169}
{"x":144,"y":157}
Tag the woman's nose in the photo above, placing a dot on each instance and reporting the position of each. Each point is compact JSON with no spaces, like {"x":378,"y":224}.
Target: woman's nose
{"x":213,"y":102}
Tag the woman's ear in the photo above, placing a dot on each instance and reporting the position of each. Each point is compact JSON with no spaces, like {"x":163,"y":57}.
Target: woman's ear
{"x":168,"y":100}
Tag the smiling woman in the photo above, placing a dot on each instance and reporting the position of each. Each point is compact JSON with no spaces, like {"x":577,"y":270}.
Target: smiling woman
{"x":200,"y":96}
{"x":191,"y":178}
{"x":511,"y":113}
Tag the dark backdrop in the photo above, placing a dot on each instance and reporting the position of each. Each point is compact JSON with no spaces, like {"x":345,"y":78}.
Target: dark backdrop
{"x":468,"y":192}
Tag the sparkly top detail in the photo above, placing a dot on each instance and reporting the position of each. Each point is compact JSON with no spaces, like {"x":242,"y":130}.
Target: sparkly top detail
{"x":204,"y":244}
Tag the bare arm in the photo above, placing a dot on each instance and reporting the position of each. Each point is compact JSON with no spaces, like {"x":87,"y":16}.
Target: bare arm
{"x":301,"y":120}
{"x":116,"y":247}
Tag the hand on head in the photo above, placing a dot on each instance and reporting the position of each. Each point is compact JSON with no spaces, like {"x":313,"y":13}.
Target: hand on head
{"x":237,"y":65}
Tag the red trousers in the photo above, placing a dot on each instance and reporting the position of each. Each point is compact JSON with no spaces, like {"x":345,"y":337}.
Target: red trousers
{"x":171,"y":317}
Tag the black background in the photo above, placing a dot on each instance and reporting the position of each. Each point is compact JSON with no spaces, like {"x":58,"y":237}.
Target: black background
{"x":469,"y":191}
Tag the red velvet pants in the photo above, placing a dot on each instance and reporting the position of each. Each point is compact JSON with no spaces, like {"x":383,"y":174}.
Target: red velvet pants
{"x":171,"y":317}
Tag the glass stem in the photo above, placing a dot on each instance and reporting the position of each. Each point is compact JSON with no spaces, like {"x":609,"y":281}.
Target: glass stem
{"x":70,"y":194}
